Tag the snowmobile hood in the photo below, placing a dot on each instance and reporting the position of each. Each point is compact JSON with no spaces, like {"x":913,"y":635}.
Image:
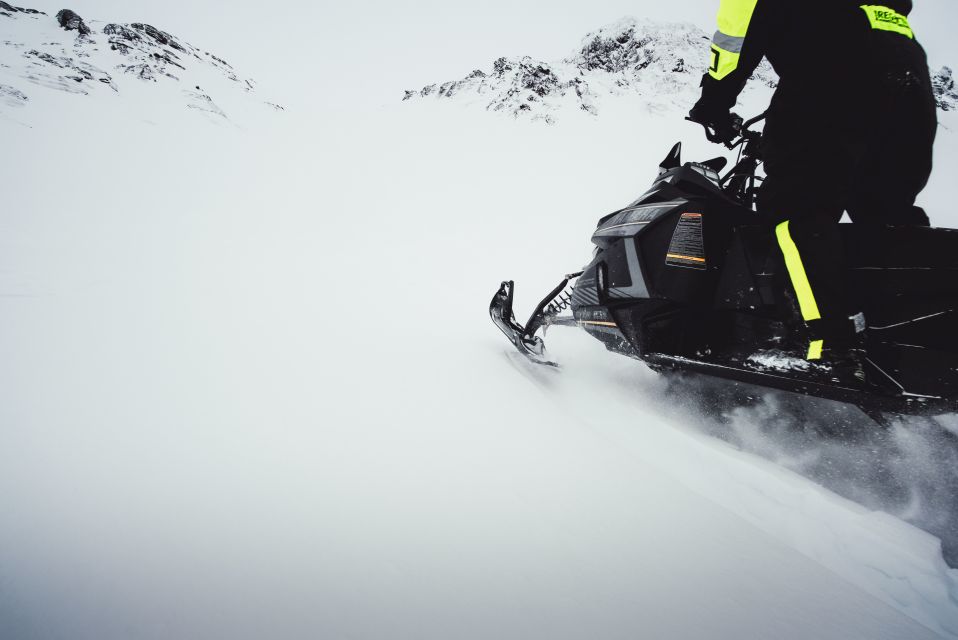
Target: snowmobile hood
{"x":632,"y":219}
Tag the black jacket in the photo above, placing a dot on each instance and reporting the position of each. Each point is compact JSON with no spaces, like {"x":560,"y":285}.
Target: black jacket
{"x":824,"y":50}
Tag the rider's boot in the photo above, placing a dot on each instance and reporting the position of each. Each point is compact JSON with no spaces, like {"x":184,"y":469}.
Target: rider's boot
{"x":842,"y":349}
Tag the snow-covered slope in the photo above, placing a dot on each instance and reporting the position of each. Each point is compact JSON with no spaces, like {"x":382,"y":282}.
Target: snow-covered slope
{"x":251,"y":390}
{"x":661,"y":62}
{"x":42,"y":56}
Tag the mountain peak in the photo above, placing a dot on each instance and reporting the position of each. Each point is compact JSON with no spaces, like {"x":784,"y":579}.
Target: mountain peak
{"x":100,"y":58}
{"x":661,"y":63}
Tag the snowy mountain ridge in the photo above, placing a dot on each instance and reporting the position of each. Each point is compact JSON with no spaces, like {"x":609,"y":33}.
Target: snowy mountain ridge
{"x":660,"y":62}
{"x":39,"y":53}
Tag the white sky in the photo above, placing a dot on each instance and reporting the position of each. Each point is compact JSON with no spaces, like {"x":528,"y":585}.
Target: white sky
{"x":306,"y":51}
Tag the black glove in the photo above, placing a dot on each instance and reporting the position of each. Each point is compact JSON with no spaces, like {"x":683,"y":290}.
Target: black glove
{"x":720,"y":127}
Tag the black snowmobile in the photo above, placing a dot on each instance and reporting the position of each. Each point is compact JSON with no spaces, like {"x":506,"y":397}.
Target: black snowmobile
{"x":690,"y":278}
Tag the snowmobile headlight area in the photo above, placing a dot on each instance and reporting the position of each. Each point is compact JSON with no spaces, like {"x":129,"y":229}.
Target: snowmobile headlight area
{"x":708,"y":172}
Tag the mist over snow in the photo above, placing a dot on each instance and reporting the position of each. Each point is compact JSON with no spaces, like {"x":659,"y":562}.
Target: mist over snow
{"x":251,"y":388}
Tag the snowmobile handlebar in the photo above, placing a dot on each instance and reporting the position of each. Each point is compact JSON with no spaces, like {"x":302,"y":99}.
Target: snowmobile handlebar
{"x":740,"y":182}
{"x":741,"y":129}
{"x":744,"y":134}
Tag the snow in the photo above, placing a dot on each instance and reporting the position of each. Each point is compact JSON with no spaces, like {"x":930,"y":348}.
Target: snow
{"x":662,"y":62}
{"x":132,"y":67}
{"x":779,"y":361}
{"x":253,"y":391}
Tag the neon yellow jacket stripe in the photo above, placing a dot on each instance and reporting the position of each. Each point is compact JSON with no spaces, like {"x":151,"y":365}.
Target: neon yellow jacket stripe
{"x":734,"y":17}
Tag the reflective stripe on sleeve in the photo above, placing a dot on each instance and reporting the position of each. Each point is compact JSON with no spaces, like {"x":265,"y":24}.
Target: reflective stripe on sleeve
{"x":732,"y":44}
{"x":733,"y":19}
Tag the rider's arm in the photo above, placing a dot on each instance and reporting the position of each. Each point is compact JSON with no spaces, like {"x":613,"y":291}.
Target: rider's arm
{"x":744,"y":30}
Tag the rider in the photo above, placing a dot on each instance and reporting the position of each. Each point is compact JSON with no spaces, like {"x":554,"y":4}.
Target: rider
{"x":850,"y":128}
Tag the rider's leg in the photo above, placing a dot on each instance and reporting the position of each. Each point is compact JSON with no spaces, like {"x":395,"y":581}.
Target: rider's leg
{"x":812,"y":251}
{"x":811,"y":151}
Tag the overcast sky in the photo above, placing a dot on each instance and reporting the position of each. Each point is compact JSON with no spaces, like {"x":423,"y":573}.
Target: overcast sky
{"x":304,"y":51}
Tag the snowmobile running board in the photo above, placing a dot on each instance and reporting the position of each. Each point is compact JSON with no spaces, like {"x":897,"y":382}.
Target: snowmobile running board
{"x":546,"y":314}
{"x":881,"y":409}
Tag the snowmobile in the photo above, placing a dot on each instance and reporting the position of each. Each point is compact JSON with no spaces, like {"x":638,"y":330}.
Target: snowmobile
{"x":690,"y":278}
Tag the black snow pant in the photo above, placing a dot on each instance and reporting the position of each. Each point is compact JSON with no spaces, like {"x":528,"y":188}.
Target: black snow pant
{"x":862,"y":146}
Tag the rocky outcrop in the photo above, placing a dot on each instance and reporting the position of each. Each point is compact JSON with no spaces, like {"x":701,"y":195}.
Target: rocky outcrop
{"x":8,"y":10}
{"x":33,"y":53}
{"x":12,"y":97}
{"x":162,"y":38}
{"x":72,"y":22}
{"x":65,"y":68}
{"x":202,"y":102}
{"x":119,"y":34}
{"x":660,"y":61}
{"x":943,"y":84}
{"x":154,"y":53}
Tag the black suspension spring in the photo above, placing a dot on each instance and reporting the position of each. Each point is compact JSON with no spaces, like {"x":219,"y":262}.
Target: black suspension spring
{"x":560,"y":304}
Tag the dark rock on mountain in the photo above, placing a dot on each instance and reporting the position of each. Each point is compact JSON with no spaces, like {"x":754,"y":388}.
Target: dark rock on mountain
{"x":661,"y":64}
{"x":120,"y":31}
{"x":39,"y":57}
{"x":12,"y":97}
{"x":72,"y":22}
{"x":49,"y":59}
{"x":70,"y":69}
{"x":946,"y":95}
{"x":154,"y":53}
{"x":533,"y":76}
{"x":158,"y":36}
{"x":618,"y":52}
{"x":202,"y":102}
{"x":7,"y":9}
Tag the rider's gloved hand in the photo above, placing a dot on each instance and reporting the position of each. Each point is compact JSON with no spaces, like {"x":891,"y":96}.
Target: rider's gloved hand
{"x":720,"y":126}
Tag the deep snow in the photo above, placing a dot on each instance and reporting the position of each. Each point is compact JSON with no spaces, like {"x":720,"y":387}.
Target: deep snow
{"x":253,"y":391}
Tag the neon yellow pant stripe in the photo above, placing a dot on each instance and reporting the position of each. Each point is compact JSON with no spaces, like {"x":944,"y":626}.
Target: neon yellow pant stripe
{"x":815,"y":350}
{"x":796,"y":271}
{"x":803,"y":288}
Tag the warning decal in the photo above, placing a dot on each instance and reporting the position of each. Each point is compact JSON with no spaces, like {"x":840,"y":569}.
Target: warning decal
{"x":687,"y":248}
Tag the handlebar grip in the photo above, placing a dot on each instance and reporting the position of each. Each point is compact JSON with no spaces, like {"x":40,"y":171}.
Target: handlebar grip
{"x":758,"y":118}
{"x":709,"y":135}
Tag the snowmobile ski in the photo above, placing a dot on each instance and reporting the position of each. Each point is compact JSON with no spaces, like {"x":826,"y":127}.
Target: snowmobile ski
{"x":546,"y":313}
